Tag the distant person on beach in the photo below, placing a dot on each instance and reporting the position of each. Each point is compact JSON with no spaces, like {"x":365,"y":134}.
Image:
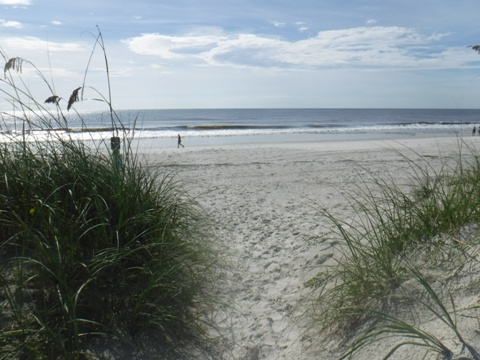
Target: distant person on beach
{"x":179,"y":141}
{"x":473,"y":131}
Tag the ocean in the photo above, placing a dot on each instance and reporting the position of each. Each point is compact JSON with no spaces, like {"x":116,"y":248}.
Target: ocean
{"x":206,"y":127}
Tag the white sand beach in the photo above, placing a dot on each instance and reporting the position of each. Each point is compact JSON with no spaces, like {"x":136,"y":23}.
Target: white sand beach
{"x":265,"y":199}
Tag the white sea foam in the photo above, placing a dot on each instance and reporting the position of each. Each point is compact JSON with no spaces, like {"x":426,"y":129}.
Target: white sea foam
{"x":251,"y":123}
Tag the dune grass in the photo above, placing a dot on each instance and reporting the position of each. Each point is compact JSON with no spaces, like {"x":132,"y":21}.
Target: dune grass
{"x":397,"y":231}
{"x":96,"y":247}
{"x":87,"y":249}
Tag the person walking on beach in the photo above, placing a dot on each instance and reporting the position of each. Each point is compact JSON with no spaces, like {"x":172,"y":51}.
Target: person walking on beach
{"x":473,"y":131}
{"x":179,"y":141}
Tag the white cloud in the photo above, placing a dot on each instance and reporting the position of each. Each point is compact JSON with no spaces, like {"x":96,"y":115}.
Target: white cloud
{"x":278,"y":23}
{"x":171,"y":47}
{"x":301,"y":26}
{"x":386,"y":47}
{"x":10,"y":24}
{"x":55,"y":22}
{"x":16,"y":2}
{"x":368,"y":47}
{"x":31,"y":43}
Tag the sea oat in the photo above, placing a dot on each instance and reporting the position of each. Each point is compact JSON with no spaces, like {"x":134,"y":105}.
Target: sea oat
{"x":73,"y":98}
{"x":54,"y":99}
{"x":14,"y":63}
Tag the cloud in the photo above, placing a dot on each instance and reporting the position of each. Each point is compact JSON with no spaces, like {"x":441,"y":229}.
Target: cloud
{"x":361,"y":47}
{"x":55,"y":22}
{"x":16,"y":2}
{"x":172,"y":47}
{"x":278,"y":24}
{"x":31,"y":43}
{"x":301,"y":26}
{"x":10,"y":24}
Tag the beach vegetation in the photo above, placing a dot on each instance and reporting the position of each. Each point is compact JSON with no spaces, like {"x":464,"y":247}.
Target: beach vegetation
{"x":101,"y":255}
{"x":402,"y":254}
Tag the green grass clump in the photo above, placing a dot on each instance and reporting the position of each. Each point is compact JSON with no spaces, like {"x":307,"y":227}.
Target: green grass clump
{"x":396,"y":232}
{"x":88,"y":248}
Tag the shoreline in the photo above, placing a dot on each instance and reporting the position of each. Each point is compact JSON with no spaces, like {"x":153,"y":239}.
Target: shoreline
{"x":200,"y":142}
{"x":149,"y":148}
{"x":264,"y":199}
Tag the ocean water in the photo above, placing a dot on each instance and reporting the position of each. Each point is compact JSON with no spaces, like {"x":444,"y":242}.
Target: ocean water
{"x":236,"y":126}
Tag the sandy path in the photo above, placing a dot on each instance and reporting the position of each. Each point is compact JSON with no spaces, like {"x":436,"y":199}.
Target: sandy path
{"x":264,"y":200}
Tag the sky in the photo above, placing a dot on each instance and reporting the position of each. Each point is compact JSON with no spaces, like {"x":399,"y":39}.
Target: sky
{"x":189,"y":54}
